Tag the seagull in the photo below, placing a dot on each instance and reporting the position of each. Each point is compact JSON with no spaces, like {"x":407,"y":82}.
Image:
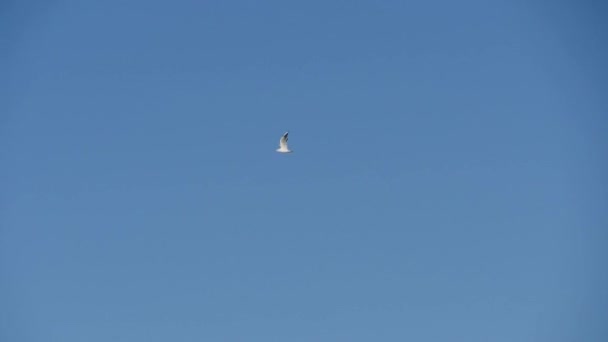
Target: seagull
{"x":283,"y":148}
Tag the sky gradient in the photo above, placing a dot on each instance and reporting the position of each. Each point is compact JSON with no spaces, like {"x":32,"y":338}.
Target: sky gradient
{"x":448,"y":180}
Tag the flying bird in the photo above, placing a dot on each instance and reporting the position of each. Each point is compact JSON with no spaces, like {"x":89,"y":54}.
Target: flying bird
{"x":283,"y":148}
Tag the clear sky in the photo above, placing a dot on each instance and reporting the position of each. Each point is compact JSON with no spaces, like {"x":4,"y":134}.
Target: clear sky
{"x":448,"y":180}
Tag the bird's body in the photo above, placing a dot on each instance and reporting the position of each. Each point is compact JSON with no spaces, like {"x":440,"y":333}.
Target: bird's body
{"x":283,"y":148}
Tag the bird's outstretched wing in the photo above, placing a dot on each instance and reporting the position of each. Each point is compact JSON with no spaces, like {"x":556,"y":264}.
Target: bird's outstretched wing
{"x":283,"y":141}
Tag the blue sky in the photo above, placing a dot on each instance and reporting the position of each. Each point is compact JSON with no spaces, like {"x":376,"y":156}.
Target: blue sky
{"x":448,"y":180}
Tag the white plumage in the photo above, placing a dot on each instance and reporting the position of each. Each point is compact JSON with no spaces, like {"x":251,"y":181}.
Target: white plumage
{"x":283,"y":148}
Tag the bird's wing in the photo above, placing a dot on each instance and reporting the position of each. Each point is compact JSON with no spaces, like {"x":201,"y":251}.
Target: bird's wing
{"x":283,"y":141}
